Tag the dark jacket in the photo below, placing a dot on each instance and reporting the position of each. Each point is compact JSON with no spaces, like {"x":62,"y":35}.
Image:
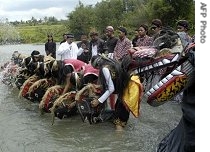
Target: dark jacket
{"x":50,"y":47}
{"x":111,"y":43}
{"x":100,"y":46}
{"x":85,"y":56}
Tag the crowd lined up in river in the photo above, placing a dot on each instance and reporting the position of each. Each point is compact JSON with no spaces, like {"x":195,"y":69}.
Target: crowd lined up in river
{"x":107,"y":81}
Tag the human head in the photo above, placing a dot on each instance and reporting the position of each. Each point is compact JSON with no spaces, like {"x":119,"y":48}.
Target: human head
{"x":94,"y":35}
{"x":50,"y":37}
{"x":75,"y":79}
{"x":182,"y":26}
{"x":122,"y":32}
{"x":143,"y":30}
{"x":83,"y":38}
{"x":64,"y":36}
{"x":156,"y":26}
{"x":136,"y":33}
{"x":69,"y":38}
{"x":90,"y":78}
{"x":109,"y":31}
{"x":67,"y":70}
{"x":56,"y":69}
{"x":35,"y":55}
{"x":96,"y":61}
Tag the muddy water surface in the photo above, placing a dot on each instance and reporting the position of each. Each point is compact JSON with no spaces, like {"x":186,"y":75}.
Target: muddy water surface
{"x":23,"y":129}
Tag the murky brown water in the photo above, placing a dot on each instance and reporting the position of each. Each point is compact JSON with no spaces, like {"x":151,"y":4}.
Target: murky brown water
{"x":23,"y":129}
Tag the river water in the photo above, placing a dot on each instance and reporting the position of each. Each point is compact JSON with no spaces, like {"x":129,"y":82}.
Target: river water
{"x":23,"y":129}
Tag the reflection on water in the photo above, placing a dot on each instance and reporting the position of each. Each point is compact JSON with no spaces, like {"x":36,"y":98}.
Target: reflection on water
{"x":23,"y":129}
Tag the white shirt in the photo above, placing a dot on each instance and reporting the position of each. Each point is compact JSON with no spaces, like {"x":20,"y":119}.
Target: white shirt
{"x":109,"y":83}
{"x":68,"y":51}
{"x":94,"y":50}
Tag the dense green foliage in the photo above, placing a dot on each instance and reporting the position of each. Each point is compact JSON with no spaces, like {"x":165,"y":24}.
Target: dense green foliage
{"x":127,"y":13}
{"x":131,"y":14}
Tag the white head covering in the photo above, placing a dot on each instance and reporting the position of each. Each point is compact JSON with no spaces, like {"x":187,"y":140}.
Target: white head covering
{"x":110,"y":28}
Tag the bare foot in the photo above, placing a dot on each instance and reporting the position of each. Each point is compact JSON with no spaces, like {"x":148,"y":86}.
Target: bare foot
{"x":119,"y":128}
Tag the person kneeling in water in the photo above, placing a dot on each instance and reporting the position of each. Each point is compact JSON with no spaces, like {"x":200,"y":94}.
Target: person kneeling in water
{"x":113,"y":79}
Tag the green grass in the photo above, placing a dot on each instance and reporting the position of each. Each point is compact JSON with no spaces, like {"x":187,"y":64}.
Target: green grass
{"x":38,"y":33}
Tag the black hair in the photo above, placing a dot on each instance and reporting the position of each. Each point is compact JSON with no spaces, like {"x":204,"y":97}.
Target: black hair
{"x":73,"y":79}
{"x":59,"y":73}
{"x":119,"y":75}
{"x":40,"y":71}
{"x":35,"y":52}
{"x":49,"y":35}
{"x":157,"y":22}
{"x":183,"y":23}
{"x":122,"y":29}
{"x":93,"y":33}
{"x":90,"y":78}
{"x":145,"y":27}
{"x":67,"y":69}
{"x":125,"y":72}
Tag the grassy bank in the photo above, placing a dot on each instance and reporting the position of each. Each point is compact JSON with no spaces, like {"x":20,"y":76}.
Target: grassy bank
{"x":38,"y":33}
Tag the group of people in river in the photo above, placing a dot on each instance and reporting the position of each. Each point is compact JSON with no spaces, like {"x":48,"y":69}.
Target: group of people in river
{"x":105,"y":80}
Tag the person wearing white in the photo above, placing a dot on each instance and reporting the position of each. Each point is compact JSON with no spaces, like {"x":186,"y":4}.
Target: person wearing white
{"x":68,"y":49}
{"x":113,"y":79}
{"x":110,"y":85}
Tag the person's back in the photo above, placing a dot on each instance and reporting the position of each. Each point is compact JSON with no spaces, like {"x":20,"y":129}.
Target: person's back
{"x":75,"y":64}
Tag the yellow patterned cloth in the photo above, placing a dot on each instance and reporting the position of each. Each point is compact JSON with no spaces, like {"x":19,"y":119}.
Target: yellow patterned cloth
{"x":132,"y":95}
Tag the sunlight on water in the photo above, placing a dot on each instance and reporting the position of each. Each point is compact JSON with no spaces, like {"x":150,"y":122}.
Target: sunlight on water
{"x":8,"y":33}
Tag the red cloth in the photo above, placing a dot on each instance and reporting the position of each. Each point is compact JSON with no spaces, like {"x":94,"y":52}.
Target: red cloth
{"x":89,"y":69}
{"x":76,"y":64}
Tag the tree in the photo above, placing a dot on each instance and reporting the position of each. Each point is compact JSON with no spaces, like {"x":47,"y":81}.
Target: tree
{"x":169,"y":11}
{"x":52,"y":20}
{"x":109,"y":12}
{"x":81,"y":20}
{"x":33,"y":21}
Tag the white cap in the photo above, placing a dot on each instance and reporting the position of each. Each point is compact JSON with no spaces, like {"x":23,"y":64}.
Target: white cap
{"x":110,"y":28}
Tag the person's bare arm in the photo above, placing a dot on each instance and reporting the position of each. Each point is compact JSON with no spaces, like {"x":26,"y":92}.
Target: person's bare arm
{"x":67,"y":85}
